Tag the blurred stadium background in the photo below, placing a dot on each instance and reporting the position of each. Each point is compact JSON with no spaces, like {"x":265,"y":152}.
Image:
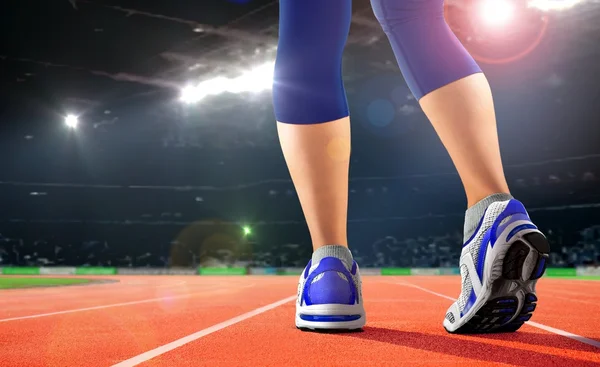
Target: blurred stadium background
{"x":140,"y":134}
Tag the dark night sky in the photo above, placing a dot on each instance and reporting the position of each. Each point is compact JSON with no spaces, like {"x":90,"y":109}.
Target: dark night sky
{"x":120,"y":65}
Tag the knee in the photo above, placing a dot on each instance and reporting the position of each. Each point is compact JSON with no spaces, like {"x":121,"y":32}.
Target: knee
{"x":308,"y":93}
{"x":308,"y":86}
{"x":307,"y":81}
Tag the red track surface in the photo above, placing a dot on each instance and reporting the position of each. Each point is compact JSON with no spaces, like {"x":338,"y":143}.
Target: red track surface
{"x":121,"y":321}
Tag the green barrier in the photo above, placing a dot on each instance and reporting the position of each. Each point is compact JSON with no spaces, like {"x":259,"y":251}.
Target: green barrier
{"x":586,"y":271}
{"x":21,"y":271}
{"x":449,"y":271}
{"x":222,"y":271}
{"x":289,"y":271}
{"x":395,"y":271}
{"x":58,"y":270}
{"x":425,"y":271}
{"x":95,"y":271}
{"x":434,"y":271}
{"x":561,"y":272}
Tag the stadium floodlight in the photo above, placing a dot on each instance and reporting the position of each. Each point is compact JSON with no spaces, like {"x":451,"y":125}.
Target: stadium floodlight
{"x":254,"y":80}
{"x":71,"y":121}
{"x":497,"y":12}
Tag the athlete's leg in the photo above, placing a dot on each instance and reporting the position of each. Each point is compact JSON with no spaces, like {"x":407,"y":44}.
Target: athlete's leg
{"x":312,"y":112}
{"x":314,"y":132}
{"x":457,"y":99}
{"x":318,"y":158}
{"x":451,"y":89}
{"x":462,"y":114}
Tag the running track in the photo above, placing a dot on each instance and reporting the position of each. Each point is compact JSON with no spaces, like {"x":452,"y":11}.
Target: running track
{"x":248,"y":321}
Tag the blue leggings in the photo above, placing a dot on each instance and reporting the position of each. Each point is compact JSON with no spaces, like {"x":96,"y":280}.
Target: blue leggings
{"x":308,"y":87}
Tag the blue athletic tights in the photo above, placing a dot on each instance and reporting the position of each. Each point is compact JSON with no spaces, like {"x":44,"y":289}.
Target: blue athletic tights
{"x":308,"y":87}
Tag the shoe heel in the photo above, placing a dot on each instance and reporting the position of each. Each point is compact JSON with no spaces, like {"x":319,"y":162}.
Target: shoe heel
{"x":527,"y":258}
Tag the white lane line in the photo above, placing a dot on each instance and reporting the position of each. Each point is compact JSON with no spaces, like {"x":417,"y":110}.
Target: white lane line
{"x":428,"y":291}
{"x":150,"y":300}
{"x":134,"y":361}
{"x":94,"y":308}
{"x":566,"y":334}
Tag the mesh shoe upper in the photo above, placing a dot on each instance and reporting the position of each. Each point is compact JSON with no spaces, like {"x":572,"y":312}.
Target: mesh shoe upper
{"x":497,"y":217}
{"x":473,"y":247}
{"x":330,"y":281}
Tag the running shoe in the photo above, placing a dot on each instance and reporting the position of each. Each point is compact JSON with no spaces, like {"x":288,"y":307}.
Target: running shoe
{"x":499,"y":265}
{"x":329,"y":296}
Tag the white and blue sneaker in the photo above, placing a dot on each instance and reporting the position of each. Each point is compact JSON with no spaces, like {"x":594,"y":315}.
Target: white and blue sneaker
{"x":329,"y":296}
{"x":499,"y":265}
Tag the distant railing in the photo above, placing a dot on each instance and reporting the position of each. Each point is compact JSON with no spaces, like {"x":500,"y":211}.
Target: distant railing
{"x":583,"y":271}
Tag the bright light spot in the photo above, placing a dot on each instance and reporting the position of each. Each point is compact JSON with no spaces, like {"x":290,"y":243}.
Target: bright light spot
{"x":497,"y":12}
{"x":189,"y":94}
{"x":71,"y":121}
{"x":255,"y":80}
{"x":546,"y":5}
{"x":247,"y":230}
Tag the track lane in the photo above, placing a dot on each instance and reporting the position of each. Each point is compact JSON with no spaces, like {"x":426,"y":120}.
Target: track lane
{"x":405,"y":330}
{"x":569,"y":315}
{"x":404,"y":327}
{"x":103,"y":337}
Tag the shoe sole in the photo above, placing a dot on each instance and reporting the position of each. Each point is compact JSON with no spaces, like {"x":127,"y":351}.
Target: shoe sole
{"x":512,"y":298}
{"x":330,"y":318}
